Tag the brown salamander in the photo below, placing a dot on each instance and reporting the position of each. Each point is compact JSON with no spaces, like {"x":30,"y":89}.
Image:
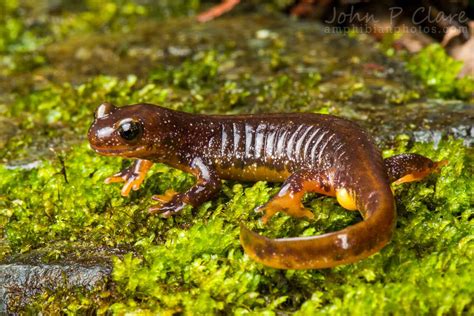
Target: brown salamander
{"x":307,"y":152}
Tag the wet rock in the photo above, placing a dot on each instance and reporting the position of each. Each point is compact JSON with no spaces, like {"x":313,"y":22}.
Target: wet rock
{"x":61,"y":266}
{"x":20,"y":282}
{"x":429,"y":121}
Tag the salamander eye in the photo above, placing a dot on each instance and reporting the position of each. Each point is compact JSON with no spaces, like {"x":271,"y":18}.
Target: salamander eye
{"x":130,"y":130}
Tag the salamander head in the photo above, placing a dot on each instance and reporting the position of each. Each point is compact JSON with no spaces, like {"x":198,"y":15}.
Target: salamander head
{"x":128,"y":131}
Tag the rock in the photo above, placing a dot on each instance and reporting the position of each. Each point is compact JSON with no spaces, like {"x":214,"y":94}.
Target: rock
{"x":429,"y":121}
{"x":20,"y":282}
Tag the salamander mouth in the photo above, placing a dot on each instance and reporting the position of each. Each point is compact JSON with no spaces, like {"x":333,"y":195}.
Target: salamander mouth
{"x":118,"y":151}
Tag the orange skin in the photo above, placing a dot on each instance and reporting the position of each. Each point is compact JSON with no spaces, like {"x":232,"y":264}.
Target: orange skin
{"x":307,"y":152}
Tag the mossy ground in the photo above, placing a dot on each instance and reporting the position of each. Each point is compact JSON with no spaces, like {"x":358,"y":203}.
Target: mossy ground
{"x":52,"y":195}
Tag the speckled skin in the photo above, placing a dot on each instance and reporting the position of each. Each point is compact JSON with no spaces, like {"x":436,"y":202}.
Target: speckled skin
{"x":308,"y":152}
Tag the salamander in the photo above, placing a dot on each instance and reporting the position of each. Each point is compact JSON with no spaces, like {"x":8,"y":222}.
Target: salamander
{"x":306,"y":152}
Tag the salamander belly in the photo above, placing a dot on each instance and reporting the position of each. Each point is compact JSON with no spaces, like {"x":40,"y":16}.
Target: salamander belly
{"x":253,"y":173}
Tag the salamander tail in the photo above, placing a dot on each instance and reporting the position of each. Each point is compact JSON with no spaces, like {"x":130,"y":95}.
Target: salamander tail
{"x":328,"y":250}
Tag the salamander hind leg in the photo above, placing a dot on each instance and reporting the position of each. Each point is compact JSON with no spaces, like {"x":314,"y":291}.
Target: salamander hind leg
{"x":410,"y":167}
{"x":166,"y":197}
{"x":288,"y":199}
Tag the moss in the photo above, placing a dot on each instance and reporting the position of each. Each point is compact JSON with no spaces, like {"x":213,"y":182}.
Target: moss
{"x":439,"y":73}
{"x":55,"y":201}
{"x":194,"y":261}
{"x":69,"y":301}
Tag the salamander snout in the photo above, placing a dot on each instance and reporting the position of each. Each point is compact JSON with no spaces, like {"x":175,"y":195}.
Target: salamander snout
{"x":101,"y":130}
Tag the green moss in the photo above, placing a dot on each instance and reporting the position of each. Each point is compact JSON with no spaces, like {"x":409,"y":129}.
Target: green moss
{"x":194,"y":262}
{"x":439,"y":73}
{"x":192,"y":73}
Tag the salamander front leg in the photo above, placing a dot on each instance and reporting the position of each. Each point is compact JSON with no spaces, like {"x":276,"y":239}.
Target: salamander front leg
{"x":133,"y":176}
{"x":288,"y":199}
{"x":207,"y":185}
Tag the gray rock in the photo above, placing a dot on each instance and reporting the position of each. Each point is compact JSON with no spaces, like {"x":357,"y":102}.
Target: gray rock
{"x":20,"y":282}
